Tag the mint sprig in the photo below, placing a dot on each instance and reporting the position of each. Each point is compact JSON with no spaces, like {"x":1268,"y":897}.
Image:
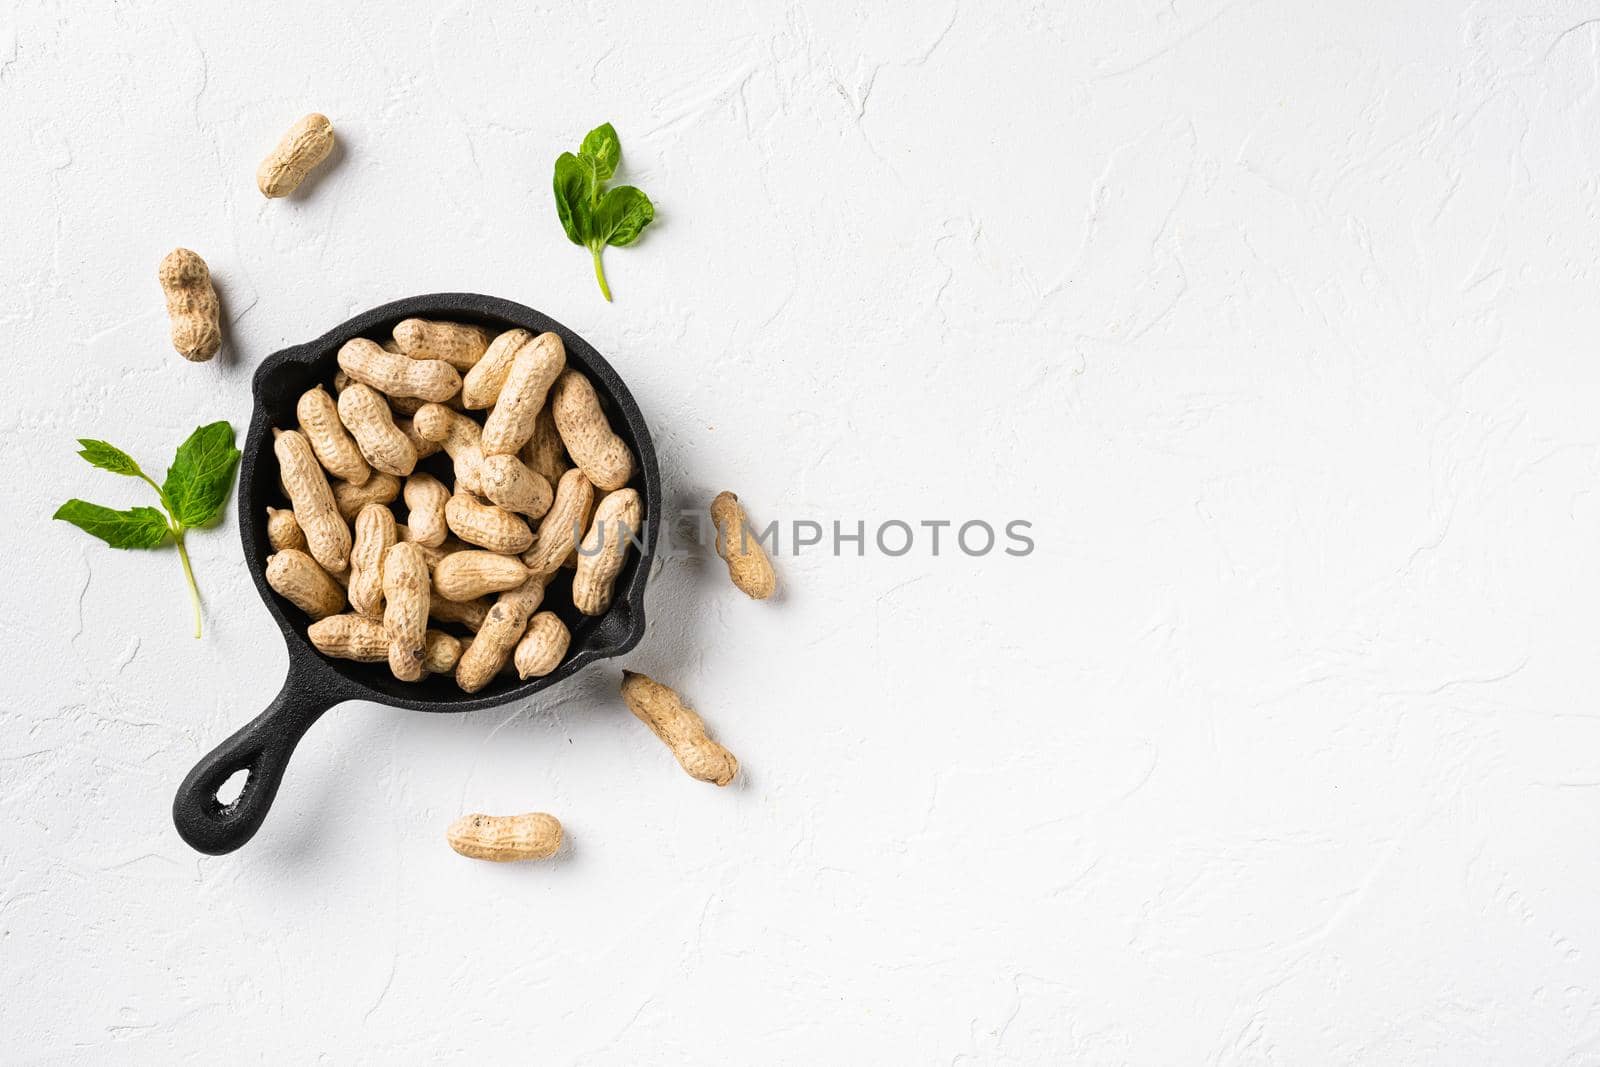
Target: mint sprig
{"x":591,"y":214}
{"x":193,"y":494}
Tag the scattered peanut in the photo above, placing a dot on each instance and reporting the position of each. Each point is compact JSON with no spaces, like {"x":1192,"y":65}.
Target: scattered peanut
{"x":542,"y":647}
{"x":307,"y":143}
{"x":458,"y":344}
{"x":563,"y":524}
{"x":381,"y":488}
{"x":191,"y":305}
{"x":487,"y":526}
{"x":398,"y":375}
{"x":677,"y":724}
{"x":405,"y":609}
{"x":748,"y":565}
{"x":425,"y":498}
{"x":509,"y":484}
{"x":503,"y":838}
{"x":282,"y":531}
{"x":298,"y":579}
{"x":605,"y":546}
{"x":533,"y":370}
{"x":375,"y":534}
{"x":368,"y":418}
{"x":594,"y":447}
{"x":327,"y":535}
{"x":469,"y":575}
{"x":335,"y":449}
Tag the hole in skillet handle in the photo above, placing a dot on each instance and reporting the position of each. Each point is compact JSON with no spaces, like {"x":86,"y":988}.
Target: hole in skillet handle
{"x":263,"y":747}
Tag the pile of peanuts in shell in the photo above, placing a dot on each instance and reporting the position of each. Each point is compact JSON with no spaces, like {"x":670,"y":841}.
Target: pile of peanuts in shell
{"x":543,"y":454}
{"x":509,"y":522}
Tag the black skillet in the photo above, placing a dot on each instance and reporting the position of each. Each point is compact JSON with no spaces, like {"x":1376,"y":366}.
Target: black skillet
{"x":316,"y":683}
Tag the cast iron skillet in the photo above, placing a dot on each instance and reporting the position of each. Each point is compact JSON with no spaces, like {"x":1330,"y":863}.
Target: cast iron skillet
{"x":316,"y":683}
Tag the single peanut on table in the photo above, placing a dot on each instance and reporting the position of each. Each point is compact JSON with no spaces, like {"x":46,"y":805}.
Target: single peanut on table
{"x":307,"y":143}
{"x":503,"y":838}
{"x":748,"y":565}
{"x":677,"y":724}
{"x":191,"y":305}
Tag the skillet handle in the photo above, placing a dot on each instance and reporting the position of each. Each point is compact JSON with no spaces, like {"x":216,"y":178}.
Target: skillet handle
{"x":262,"y":749}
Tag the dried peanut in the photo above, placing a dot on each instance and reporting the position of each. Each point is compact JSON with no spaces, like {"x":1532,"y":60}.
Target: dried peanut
{"x":282,"y":531}
{"x":191,"y":305}
{"x":425,"y":498}
{"x":677,"y":724}
{"x":397,"y":375}
{"x":533,"y":370}
{"x":358,"y":638}
{"x":458,"y":344}
{"x":423,"y":447}
{"x":486,"y":526}
{"x":481,"y":385}
{"x":315,"y":509}
{"x":599,"y":452}
{"x":350,"y":637}
{"x":497,"y":638}
{"x":468,"y":613}
{"x":563,"y":524}
{"x":748,"y":565}
{"x":381,"y":488}
{"x":368,"y":418}
{"x":332,"y":443}
{"x":509,"y":484}
{"x":617,"y":521}
{"x":440,"y":652}
{"x":298,"y":579}
{"x":502,"y":838}
{"x":307,"y":143}
{"x":542,"y":647}
{"x":460,"y":436}
{"x":375,"y":534}
{"x":470,"y":574}
{"x":544,"y":453}
{"x":405,"y":609}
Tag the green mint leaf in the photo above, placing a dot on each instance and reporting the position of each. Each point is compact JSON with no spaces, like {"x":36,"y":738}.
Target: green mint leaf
{"x":197,"y":483}
{"x":134,"y":528}
{"x":109,"y":457}
{"x":623,"y":213}
{"x":604,"y":148}
{"x":574,"y":194}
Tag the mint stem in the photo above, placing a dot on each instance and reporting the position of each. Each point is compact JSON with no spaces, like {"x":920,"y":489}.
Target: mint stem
{"x":600,"y":275}
{"x":188,"y":572}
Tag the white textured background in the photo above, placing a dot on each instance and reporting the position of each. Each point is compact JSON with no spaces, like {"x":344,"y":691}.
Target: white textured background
{"x":1277,"y":320}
